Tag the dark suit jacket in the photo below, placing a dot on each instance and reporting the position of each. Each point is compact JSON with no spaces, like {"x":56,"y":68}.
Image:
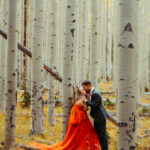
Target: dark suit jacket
{"x":98,"y":111}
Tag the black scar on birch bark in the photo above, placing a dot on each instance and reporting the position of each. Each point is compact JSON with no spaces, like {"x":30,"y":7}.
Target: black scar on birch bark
{"x":134,"y":124}
{"x":122,"y":124}
{"x":119,"y":45}
{"x":121,"y":79}
{"x":131,"y":45}
{"x":128,"y":133}
{"x":128,"y":28}
{"x":69,"y":85}
{"x":72,"y":31}
{"x":12,"y":107}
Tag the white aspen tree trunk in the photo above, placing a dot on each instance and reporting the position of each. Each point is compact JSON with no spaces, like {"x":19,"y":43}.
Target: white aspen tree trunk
{"x":103,"y":40}
{"x":20,"y":55}
{"x":3,"y":57}
{"x":115,"y":51}
{"x":68,"y":61}
{"x":140,"y":45}
{"x":10,"y":120}
{"x":45,"y":41}
{"x":128,"y":75}
{"x":58,"y":43}
{"x":99,"y":38}
{"x":142,"y":48}
{"x":29,"y":37}
{"x":80,"y":19}
{"x":146,"y":45}
{"x":115,"y":48}
{"x":77,"y":51}
{"x":52,"y":61}
{"x":85,"y":38}
{"x":60,"y":36}
{"x":1,"y":102}
{"x":94,"y":43}
{"x":109,"y":40}
{"x":37,"y":70}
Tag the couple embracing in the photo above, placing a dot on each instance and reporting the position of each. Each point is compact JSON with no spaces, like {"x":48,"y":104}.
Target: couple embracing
{"x":80,"y":134}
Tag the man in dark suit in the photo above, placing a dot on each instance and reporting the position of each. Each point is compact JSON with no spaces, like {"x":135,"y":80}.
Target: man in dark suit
{"x":98,"y":113}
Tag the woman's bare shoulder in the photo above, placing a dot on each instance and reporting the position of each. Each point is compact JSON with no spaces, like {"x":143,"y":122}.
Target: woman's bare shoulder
{"x":79,"y":102}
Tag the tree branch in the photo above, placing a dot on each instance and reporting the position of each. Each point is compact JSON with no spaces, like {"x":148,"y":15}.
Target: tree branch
{"x":52,"y":72}
{"x":112,"y":119}
{"x":3,"y":33}
{"x":24,"y":50}
{"x":26,"y":147}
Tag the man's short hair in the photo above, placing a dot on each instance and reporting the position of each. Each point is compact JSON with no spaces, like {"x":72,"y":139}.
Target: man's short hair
{"x":86,"y":83}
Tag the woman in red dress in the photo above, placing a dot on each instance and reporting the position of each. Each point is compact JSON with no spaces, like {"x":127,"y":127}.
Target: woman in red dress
{"x":80,"y":134}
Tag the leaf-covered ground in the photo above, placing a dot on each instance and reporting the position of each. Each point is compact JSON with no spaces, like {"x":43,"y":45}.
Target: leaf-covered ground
{"x":52,"y":134}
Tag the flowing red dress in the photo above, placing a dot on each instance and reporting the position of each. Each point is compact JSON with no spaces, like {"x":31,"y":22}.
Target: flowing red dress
{"x":80,"y":134}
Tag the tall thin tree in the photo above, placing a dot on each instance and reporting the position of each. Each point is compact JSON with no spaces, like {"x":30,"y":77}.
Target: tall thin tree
{"x":52,"y":61}
{"x":3,"y":57}
{"x":68,"y":60}
{"x":94,"y":43}
{"x":37,"y":70}
{"x":10,"y":121}
{"x":128,"y":75}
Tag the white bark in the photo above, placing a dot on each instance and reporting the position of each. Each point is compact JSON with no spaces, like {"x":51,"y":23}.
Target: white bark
{"x":37,"y":70}
{"x":68,"y":60}
{"x":10,"y":122}
{"x":128,"y":79}
{"x":103,"y":40}
{"x":85,"y":38}
{"x":94,"y":43}
{"x":78,"y":51}
{"x":146,"y":45}
{"x":29,"y":37}
{"x":109,"y":40}
{"x":3,"y":57}
{"x":52,"y":61}
{"x":115,"y":47}
{"x":20,"y":38}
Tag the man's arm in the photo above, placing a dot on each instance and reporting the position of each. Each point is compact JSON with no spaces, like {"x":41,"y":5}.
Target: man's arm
{"x":96,"y":101}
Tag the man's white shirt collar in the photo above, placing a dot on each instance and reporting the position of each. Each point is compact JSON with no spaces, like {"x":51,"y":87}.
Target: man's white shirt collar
{"x":92,"y":90}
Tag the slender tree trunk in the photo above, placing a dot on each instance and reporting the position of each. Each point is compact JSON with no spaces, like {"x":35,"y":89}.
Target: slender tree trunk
{"x":37,"y":70}
{"x":29,"y":38}
{"x":109,"y":40}
{"x":68,"y":60}
{"x":85,"y":38}
{"x":146,"y":45}
{"x":76,"y":54}
{"x":10,"y":121}
{"x":3,"y":58}
{"x":115,"y":48}
{"x":128,"y":79}
{"x":52,"y":61}
{"x":94,"y":43}
{"x":20,"y":37}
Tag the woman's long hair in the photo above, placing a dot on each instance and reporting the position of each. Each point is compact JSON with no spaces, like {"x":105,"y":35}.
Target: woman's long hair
{"x":76,"y":94}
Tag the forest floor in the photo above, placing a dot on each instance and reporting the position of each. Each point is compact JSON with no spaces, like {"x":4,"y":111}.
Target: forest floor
{"x":52,"y":134}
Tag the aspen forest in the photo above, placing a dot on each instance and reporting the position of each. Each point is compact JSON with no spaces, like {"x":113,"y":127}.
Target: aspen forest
{"x":47,"y":46}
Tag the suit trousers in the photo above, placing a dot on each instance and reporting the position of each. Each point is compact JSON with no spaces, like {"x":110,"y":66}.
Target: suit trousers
{"x":100,"y":129}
